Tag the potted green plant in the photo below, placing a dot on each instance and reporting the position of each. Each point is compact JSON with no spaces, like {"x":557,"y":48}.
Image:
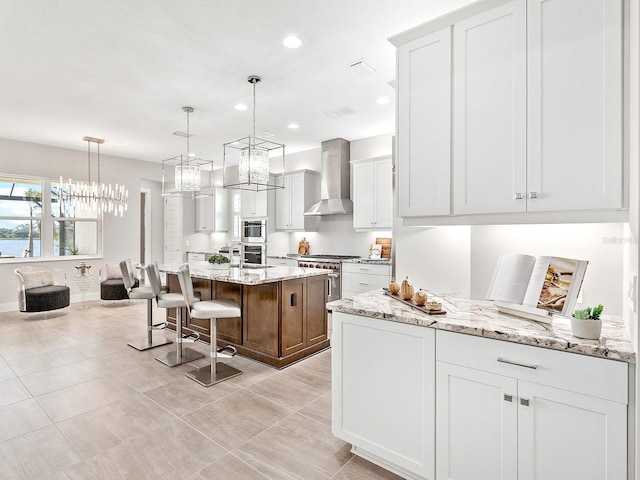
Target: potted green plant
{"x":586,"y":323}
{"x":219,"y":261}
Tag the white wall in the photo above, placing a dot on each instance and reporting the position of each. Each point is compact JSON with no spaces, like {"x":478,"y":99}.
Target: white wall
{"x":121,"y":235}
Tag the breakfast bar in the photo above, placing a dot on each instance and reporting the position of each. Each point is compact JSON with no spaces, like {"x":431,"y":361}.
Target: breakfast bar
{"x":283,"y":318}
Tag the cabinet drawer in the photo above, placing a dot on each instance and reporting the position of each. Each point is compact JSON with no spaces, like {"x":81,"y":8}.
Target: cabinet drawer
{"x":362,"y":282}
{"x":286,"y":262}
{"x":366,"y":268}
{"x":598,"y":377}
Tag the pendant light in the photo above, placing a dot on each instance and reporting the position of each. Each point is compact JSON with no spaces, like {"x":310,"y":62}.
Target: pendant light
{"x":187,"y":170}
{"x":95,"y":196}
{"x":252,"y":156}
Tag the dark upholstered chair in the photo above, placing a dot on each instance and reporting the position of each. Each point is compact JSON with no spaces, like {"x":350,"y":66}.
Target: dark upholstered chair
{"x":42,"y":289}
{"x":111,"y":283}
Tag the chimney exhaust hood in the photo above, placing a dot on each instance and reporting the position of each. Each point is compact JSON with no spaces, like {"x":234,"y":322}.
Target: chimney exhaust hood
{"x":335,"y":179}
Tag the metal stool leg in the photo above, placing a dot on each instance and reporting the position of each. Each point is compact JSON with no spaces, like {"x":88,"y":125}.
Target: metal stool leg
{"x":180,"y":355}
{"x":146,"y":344}
{"x":216,"y":372}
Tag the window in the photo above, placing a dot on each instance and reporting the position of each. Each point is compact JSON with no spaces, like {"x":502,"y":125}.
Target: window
{"x":36,"y":224}
{"x":20,"y":217}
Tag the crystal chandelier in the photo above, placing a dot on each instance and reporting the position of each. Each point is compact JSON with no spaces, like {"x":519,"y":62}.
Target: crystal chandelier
{"x":254,"y":157}
{"x":187,"y":169}
{"x":94,"y":196}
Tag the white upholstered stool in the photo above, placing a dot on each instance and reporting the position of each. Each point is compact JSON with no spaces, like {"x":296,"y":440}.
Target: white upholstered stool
{"x":212,"y":309}
{"x":147,"y":294}
{"x":173,"y":300}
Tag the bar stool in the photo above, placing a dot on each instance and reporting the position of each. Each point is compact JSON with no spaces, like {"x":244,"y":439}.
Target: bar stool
{"x":177,"y":301}
{"x":211,"y":309}
{"x":146,"y":293}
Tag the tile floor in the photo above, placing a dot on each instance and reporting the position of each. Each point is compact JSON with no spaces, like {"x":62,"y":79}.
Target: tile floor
{"x":77,"y":403}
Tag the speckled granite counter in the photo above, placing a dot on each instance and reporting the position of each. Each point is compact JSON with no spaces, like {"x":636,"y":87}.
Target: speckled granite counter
{"x":245,"y":276}
{"x":481,"y":318}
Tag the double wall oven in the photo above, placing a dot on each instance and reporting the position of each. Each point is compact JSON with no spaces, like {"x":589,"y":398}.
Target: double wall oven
{"x":254,"y":241}
{"x":333,"y":265}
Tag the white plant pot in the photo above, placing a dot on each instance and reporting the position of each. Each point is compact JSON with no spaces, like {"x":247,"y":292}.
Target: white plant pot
{"x":589,"y":329}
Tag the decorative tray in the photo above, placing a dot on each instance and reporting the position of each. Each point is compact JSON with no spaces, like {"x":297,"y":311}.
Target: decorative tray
{"x":413,"y":305}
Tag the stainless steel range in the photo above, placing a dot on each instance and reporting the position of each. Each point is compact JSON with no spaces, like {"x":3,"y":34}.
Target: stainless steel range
{"x":333,"y":264}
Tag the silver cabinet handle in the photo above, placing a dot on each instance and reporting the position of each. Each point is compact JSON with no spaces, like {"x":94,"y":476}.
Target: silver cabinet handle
{"x":524,"y":402}
{"x":363,"y":283}
{"x":517,"y":196}
{"x":519,"y":364}
{"x":533,"y":194}
{"x":508,"y":398}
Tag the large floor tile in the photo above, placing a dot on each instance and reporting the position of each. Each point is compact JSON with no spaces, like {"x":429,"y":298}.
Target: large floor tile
{"x":6,"y":372}
{"x":31,"y":345}
{"x":360,"y":469}
{"x":103,"y":428}
{"x":71,"y":401}
{"x":171,"y":451}
{"x":236,"y":418}
{"x":21,"y":417}
{"x":45,"y":361}
{"x":12,"y":390}
{"x":293,"y":388}
{"x":35,"y":455}
{"x":152,"y":374}
{"x":103,"y":347}
{"x":296,"y":448}
{"x":319,"y":410}
{"x":54,"y":379}
{"x":319,"y":364}
{"x":183,"y":396}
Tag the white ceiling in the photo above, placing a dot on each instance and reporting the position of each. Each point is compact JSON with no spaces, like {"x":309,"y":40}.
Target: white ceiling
{"x":122,"y":70}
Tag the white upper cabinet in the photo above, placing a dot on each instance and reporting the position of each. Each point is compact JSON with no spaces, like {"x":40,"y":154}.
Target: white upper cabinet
{"x":489,"y":111}
{"x":536,"y":89}
{"x":301,"y":190}
{"x":212,"y":212}
{"x":253,"y":204}
{"x":372,"y":194}
{"x":575,"y":158}
{"x":424,"y":125}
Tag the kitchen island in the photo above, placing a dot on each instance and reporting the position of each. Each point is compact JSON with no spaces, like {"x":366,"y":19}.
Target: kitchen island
{"x":283,"y":318}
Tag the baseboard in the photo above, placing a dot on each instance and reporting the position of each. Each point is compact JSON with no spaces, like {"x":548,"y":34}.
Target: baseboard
{"x":13,"y":306}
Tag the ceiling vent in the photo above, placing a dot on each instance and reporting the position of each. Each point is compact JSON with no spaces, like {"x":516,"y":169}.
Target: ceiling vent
{"x":362,"y":68}
{"x":341,"y":112}
{"x":182,"y":134}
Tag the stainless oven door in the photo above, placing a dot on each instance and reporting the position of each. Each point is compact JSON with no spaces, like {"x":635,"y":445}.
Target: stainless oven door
{"x":254,"y":231}
{"x":254,"y":254}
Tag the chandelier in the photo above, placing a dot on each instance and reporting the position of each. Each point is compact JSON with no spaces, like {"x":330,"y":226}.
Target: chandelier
{"x":186,"y":176}
{"x":94,"y":196}
{"x":253,"y":157}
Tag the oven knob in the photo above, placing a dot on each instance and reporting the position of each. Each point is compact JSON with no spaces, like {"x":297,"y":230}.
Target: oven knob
{"x":324,"y":266}
{"x":303,"y":264}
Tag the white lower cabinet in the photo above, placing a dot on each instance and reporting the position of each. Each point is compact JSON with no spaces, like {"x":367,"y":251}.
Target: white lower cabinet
{"x":383,"y":375}
{"x":508,"y":411}
{"x":363,"y":277}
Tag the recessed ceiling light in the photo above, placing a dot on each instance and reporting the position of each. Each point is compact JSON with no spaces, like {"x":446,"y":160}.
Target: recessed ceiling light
{"x":292,"y":42}
{"x":293,"y":126}
{"x":383,"y":100}
{"x":241,"y":106}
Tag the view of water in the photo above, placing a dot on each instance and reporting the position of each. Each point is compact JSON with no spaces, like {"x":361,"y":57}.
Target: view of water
{"x":16,"y":247}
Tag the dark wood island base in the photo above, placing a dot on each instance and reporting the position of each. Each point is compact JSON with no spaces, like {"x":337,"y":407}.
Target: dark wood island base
{"x":281,"y":323}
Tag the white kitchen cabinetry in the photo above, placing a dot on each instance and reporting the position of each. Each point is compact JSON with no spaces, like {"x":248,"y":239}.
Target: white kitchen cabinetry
{"x":537,"y":113}
{"x":489,"y":111}
{"x":424,"y":125}
{"x":372,"y":194}
{"x":179,"y":221}
{"x":363,"y":277}
{"x":575,"y":65}
{"x":282,"y":262}
{"x":382,"y":392}
{"x":509,"y":411}
{"x":301,"y":190}
{"x":212,"y":212}
{"x":253,"y":204}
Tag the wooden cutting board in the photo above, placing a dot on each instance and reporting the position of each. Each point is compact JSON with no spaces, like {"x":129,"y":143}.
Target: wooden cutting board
{"x":303,"y":247}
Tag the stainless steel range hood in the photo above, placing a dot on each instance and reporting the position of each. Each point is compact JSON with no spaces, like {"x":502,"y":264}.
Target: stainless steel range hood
{"x":335,"y":179}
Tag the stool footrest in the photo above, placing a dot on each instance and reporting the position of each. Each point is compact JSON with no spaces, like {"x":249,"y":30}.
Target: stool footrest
{"x":190,"y":338}
{"x":160,"y":326}
{"x":228,"y":351}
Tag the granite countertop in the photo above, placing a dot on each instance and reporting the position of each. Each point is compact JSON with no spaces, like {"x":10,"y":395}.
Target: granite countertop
{"x":245,"y":276}
{"x":376,"y":261}
{"x":481,"y":318}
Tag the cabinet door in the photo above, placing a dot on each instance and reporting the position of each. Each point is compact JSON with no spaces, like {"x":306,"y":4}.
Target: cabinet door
{"x":563,"y":435}
{"x":489,"y":116}
{"x":205,"y":214}
{"x":316,"y":309}
{"x":424,"y":126}
{"x":283,"y":205}
{"x":254,"y":204}
{"x":296,"y":201}
{"x":221,"y":210}
{"x":363,"y":198}
{"x":260,"y":315}
{"x":575,"y":56}
{"x":383,"y":194}
{"x":382,"y":391}
{"x":293,"y":316}
{"x":476,"y":424}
